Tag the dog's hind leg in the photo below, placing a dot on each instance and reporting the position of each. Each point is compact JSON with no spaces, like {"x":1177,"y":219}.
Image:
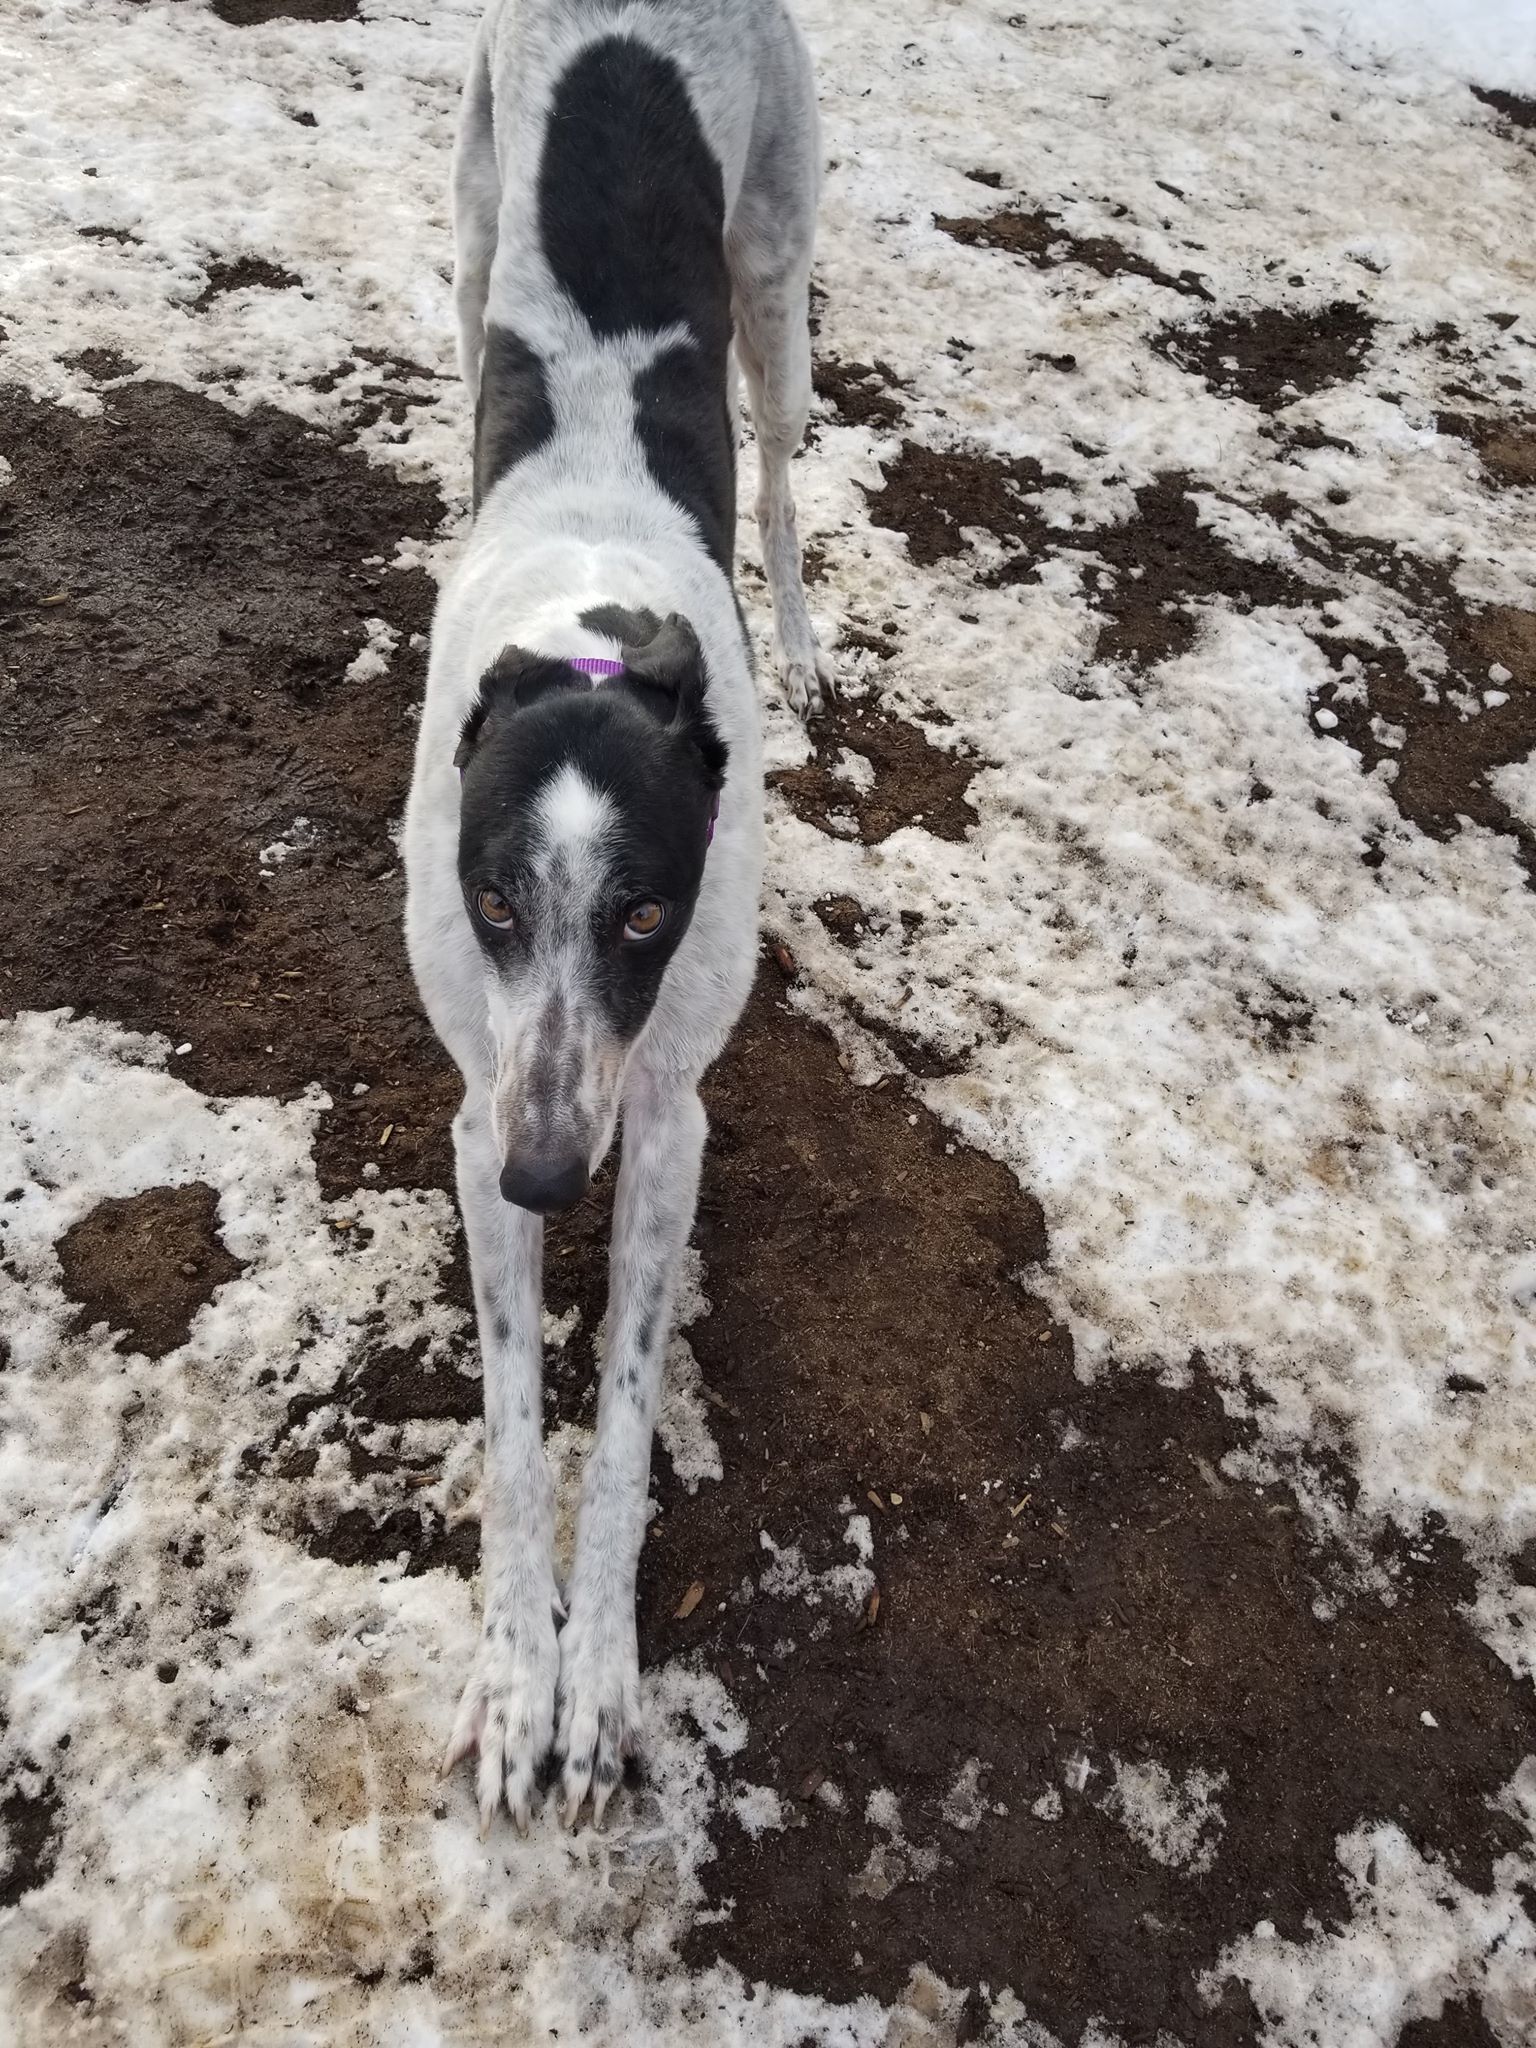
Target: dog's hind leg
{"x":658,"y":1189}
{"x":476,"y":204}
{"x":507,"y":1712}
{"x":769,"y":251}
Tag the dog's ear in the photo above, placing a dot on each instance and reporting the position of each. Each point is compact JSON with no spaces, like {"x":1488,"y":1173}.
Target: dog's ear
{"x":669,"y":670}
{"x":514,"y":680}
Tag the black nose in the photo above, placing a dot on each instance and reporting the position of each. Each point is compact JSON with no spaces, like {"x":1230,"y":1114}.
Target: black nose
{"x":544,"y":1184}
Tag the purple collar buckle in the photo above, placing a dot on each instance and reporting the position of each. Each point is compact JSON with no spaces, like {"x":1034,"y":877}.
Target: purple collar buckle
{"x":595,"y":664}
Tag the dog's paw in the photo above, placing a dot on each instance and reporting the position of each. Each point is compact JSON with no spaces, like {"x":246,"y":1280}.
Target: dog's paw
{"x":507,"y":1715}
{"x":809,"y":681}
{"x":600,"y":1721}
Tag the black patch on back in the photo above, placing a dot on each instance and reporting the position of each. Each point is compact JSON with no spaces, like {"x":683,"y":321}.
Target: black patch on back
{"x":513,"y":415}
{"x":690,"y":447}
{"x":632,"y":215}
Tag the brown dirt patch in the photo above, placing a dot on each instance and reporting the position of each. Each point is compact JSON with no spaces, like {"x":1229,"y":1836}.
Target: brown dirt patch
{"x":1041,"y":240}
{"x":1516,"y":108}
{"x":1272,"y":358}
{"x":100,"y":364}
{"x":1506,"y":447}
{"x":146,"y":1264}
{"x":915,"y":782}
{"x":933,"y":496}
{"x":185,"y":703}
{"x":1446,"y":752}
{"x":1450,"y":739}
{"x":254,"y":13}
{"x":1460,"y":2025}
{"x":1166,"y":569}
{"x":246,"y":273}
{"x":864,"y":1274}
{"x":29,"y":1837}
{"x":859,"y":394}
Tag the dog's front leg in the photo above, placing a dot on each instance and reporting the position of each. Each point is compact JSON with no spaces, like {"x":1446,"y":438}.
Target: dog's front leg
{"x":653,"y":1213}
{"x":507,"y":1713}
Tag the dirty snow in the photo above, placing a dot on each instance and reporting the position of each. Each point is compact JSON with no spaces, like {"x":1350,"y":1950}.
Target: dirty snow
{"x":789,"y":1577}
{"x":1293,"y":1214}
{"x":1176,"y":1820}
{"x":1414,"y":1939}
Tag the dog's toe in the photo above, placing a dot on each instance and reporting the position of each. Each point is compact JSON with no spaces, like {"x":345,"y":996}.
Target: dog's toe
{"x":809,"y":684}
{"x":599,"y":1715}
{"x":506,"y":1719}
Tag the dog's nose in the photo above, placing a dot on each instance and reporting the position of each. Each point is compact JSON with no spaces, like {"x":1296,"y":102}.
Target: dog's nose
{"x":544,"y":1184}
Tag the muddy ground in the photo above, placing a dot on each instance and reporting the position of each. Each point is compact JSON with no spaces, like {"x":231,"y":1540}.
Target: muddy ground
{"x":1062,"y":1569}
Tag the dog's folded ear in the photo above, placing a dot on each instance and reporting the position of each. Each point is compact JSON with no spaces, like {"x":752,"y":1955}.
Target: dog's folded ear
{"x":668,"y":670}
{"x":514,"y":680}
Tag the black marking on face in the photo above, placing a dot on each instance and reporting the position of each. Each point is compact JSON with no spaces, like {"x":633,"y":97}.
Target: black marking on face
{"x":513,"y":415}
{"x":646,"y":744}
{"x":632,"y":217}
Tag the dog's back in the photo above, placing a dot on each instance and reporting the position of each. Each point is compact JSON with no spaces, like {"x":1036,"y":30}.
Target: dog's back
{"x":599,"y":178}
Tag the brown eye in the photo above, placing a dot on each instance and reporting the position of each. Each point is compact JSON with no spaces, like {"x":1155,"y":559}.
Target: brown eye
{"x":494,"y":907}
{"x":644,"y":920}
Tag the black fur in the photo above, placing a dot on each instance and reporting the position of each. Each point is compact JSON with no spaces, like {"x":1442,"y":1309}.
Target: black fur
{"x":632,"y":216}
{"x":513,"y":415}
{"x":630,"y":629}
{"x":644,"y":740}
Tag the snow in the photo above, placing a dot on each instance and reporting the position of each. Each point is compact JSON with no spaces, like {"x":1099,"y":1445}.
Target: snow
{"x":1489,"y":42}
{"x":372,"y":659}
{"x":1177,"y":1821}
{"x":789,"y":1577}
{"x":1414,"y":1938}
{"x":1333,"y":1224}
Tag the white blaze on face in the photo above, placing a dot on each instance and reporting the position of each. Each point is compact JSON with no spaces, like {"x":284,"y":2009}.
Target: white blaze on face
{"x":559,"y":1065}
{"x":574,"y":820}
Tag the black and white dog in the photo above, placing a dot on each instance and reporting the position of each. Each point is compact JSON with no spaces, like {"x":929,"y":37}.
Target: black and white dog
{"x":635,"y":190}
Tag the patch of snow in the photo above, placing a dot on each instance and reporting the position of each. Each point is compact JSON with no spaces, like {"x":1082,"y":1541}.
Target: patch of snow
{"x":299,"y":837}
{"x":1415,"y":1936}
{"x":856,"y":768}
{"x":373,"y":657}
{"x":1177,"y":1821}
{"x":963,"y":1805}
{"x":758,"y":1810}
{"x":681,"y":1421}
{"x":1516,"y":784}
{"x":788,"y":1577}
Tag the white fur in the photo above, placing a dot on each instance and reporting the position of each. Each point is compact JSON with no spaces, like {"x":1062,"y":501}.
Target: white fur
{"x":579,"y":522}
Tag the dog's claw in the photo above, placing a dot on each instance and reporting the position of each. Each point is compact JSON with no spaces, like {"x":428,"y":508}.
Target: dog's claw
{"x":599,"y":1712}
{"x":809,"y":682}
{"x":506,"y":1718}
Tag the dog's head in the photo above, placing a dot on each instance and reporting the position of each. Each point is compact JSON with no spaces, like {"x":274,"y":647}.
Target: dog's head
{"x":586,"y":813}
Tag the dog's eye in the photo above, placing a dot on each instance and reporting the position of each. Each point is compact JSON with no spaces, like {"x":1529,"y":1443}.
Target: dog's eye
{"x":644,"y":920}
{"x":494,"y":908}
